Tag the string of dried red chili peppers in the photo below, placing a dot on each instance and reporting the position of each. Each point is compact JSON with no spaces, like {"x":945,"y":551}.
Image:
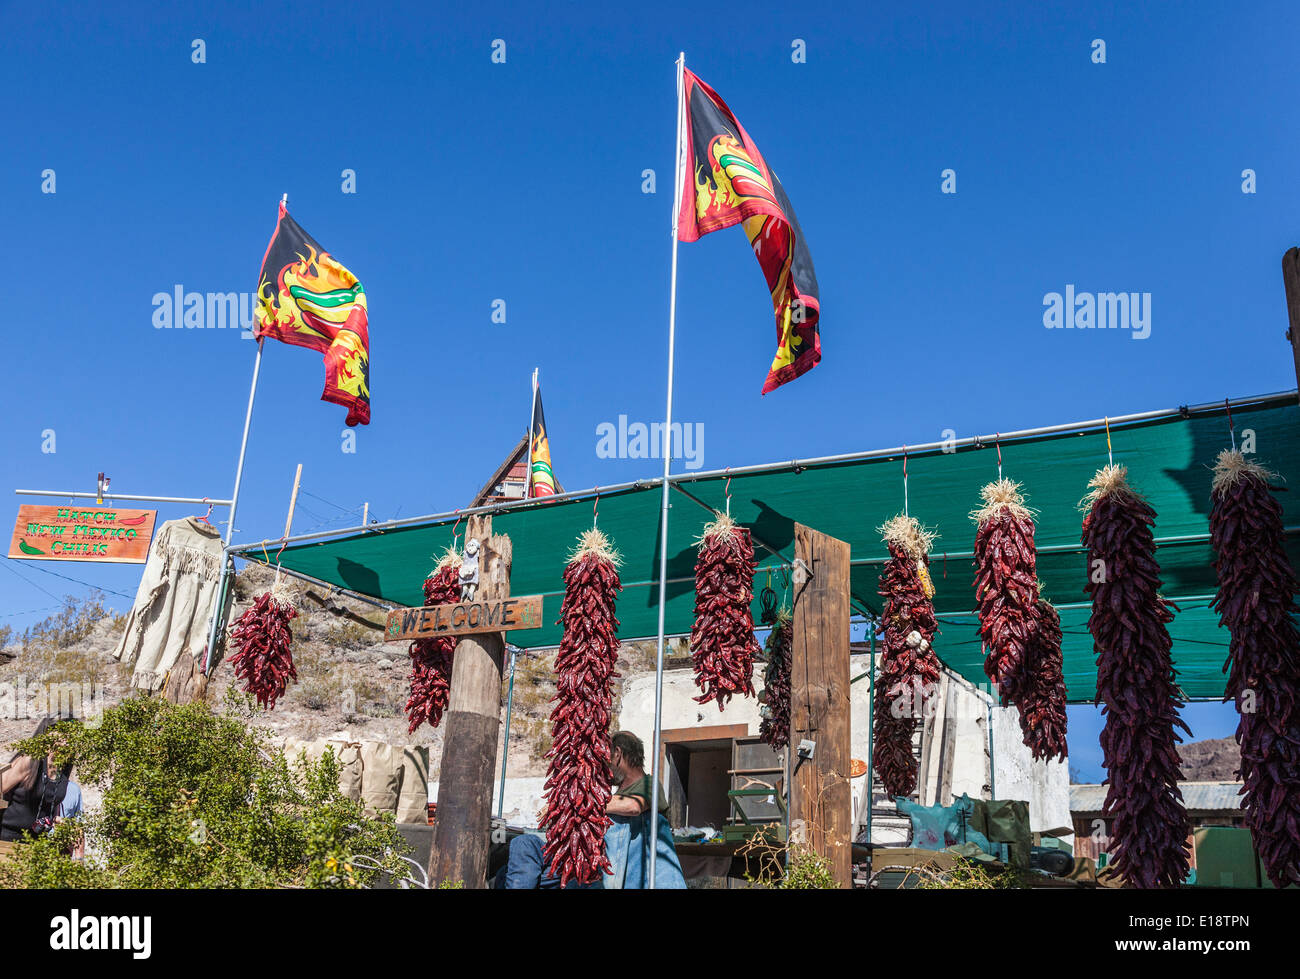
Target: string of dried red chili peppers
{"x":775,"y":725}
{"x":909,"y":668}
{"x":1021,"y":631}
{"x":577,"y":782}
{"x":722,"y":639}
{"x":1006,"y":585}
{"x":1043,"y":694}
{"x":262,"y":638}
{"x":1136,"y":685}
{"x":431,"y":658}
{"x":1256,"y":602}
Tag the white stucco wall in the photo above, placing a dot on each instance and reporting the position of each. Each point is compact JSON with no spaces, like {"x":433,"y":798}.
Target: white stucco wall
{"x":1045,"y":786}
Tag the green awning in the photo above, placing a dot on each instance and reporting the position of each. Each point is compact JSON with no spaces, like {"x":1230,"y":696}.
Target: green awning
{"x":1168,"y":457}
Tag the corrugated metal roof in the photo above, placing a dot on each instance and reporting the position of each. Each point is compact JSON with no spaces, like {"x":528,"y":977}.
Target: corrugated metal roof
{"x":1196,"y":795}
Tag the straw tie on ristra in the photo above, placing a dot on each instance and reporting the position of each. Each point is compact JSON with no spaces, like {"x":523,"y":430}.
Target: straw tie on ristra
{"x":262,"y":638}
{"x":577,"y":780}
{"x":1256,"y":603}
{"x":723,"y":646}
{"x":1136,"y":685}
{"x":431,"y":658}
{"x":1006,"y":586}
{"x":909,"y":667}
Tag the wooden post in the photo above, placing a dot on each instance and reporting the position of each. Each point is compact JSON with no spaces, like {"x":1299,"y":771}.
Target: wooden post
{"x":1291,"y":280}
{"x":463,"y":823}
{"x":821,"y":804}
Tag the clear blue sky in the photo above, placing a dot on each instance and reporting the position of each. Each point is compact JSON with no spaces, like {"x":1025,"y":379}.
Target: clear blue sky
{"x":522,"y":181}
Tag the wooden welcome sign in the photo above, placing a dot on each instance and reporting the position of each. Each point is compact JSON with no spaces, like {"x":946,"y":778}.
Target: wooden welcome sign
{"x":464,"y":618}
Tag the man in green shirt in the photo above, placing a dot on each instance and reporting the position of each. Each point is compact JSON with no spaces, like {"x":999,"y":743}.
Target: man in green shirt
{"x":627,"y":771}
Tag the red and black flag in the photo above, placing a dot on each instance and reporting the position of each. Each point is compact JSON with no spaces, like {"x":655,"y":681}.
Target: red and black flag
{"x":306,"y":298}
{"x":726,"y":182}
{"x":542,"y":480}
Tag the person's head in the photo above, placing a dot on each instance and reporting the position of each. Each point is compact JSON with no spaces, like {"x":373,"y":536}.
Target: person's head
{"x":626,"y":755}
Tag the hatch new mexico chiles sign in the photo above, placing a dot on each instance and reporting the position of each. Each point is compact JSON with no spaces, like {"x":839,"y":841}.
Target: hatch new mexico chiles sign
{"x":71,"y":533}
{"x":464,"y":618}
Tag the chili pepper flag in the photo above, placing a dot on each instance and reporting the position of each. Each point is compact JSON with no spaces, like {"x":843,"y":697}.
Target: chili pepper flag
{"x":539,"y":451}
{"x":726,"y":181}
{"x":306,"y":298}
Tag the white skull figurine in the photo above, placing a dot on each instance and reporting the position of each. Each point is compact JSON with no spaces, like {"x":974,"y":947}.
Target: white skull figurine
{"x":469,"y":570}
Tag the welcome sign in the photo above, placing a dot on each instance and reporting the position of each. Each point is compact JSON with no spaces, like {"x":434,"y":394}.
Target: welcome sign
{"x":464,"y":618}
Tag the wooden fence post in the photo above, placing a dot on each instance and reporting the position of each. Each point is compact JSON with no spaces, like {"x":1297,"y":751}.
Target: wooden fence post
{"x":463,"y":822}
{"x":1291,"y":280}
{"x":821,"y":804}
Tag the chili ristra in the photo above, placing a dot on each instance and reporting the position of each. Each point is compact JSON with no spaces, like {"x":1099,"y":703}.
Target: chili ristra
{"x":1006,"y":586}
{"x":431,"y":658}
{"x":1256,"y":603}
{"x":577,"y":781}
{"x":723,"y":646}
{"x":909,"y":667}
{"x":1043,"y":695}
{"x":775,"y":725}
{"x":1136,"y":686}
{"x":262,"y":638}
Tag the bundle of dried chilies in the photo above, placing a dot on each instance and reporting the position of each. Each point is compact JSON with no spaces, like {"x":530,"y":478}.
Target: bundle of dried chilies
{"x":431,"y":657}
{"x":722,"y":639}
{"x":1135,"y":685}
{"x":1006,"y":585}
{"x":909,"y":668}
{"x":1021,"y":631}
{"x":577,"y":783}
{"x":261,"y":638}
{"x":775,"y":726}
{"x":1256,"y":602}
{"x":1043,"y":694}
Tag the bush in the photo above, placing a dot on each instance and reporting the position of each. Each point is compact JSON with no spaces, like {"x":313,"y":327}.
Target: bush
{"x":193,"y":798}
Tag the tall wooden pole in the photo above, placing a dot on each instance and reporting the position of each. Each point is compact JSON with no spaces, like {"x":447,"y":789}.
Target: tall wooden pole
{"x":1291,"y":280}
{"x":460,"y":840}
{"x":821,"y":801}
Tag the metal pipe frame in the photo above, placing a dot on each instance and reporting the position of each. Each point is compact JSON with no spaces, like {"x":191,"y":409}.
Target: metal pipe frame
{"x":979,"y":441}
{"x":126,"y":496}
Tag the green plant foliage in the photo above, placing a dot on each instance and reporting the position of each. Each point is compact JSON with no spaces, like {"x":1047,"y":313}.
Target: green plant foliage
{"x":966,"y":875}
{"x":195,"y":798}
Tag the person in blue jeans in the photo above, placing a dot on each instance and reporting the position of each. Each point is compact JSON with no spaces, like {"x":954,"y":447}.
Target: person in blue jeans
{"x":626,"y":840}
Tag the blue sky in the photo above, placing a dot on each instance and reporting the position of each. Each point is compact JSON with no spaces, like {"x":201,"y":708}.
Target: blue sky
{"x":522,"y":181}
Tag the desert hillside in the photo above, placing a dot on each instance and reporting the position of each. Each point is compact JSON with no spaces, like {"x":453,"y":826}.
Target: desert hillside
{"x":348,"y":680}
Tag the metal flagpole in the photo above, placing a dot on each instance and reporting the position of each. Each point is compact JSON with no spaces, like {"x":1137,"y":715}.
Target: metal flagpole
{"x":532,"y":420}
{"x":505,"y":748}
{"x":668,"y":461}
{"x":230,"y":527}
{"x":234,"y":503}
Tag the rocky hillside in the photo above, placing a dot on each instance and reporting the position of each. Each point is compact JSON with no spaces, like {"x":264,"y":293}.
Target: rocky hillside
{"x":1213,"y":760}
{"x":348,"y":679}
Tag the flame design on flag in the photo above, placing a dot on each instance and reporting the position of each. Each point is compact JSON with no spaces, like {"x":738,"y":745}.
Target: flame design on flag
{"x":308,"y":298}
{"x":728,"y":182}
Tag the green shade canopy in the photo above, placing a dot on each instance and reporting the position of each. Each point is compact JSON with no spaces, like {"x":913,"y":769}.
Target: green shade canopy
{"x":1169,"y":458}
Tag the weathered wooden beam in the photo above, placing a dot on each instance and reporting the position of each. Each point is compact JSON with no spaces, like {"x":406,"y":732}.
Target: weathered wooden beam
{"x":473,"y":720}
{"x":1291,"y":281}
{"x":821,"y":804}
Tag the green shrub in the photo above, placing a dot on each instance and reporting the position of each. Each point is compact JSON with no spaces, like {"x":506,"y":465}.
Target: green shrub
{"x":193,"y":798}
